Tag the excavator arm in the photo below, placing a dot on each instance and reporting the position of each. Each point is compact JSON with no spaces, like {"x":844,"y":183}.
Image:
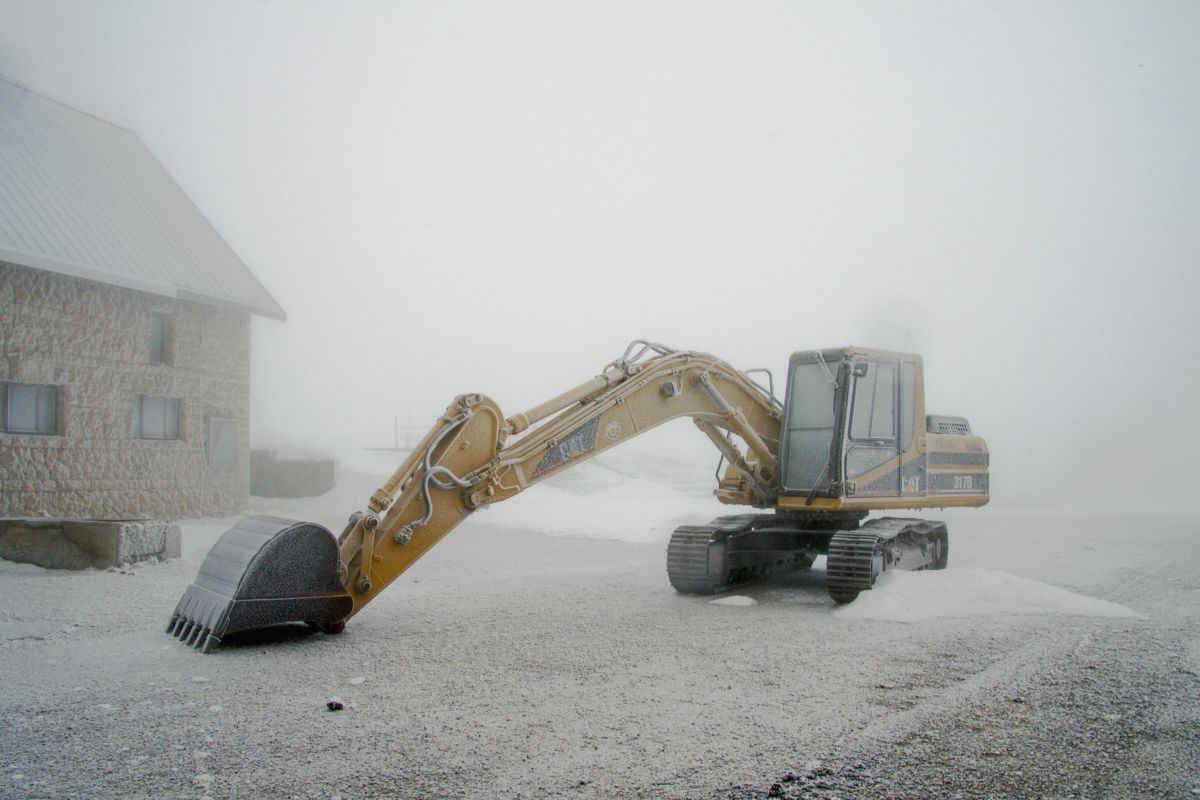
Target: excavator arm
{"x":474,"y":456}
{"x":266,"y":570}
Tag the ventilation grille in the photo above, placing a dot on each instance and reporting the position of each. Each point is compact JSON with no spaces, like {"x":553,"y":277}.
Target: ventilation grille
{"x":939,"y":424}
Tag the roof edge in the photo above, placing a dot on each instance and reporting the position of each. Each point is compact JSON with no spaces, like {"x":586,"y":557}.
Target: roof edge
{"x":276,"y":313}
{"x":24,"y":258}
{"x":67,"y":106}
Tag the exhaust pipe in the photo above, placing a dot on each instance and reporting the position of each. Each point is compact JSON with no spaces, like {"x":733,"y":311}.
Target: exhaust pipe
{"x":263,"y":571}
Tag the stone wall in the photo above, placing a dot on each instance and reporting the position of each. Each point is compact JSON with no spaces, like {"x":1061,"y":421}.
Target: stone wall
{"x":93,"y":341}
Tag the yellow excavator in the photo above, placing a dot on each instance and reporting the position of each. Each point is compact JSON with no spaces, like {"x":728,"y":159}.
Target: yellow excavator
{"x":851,"y":436}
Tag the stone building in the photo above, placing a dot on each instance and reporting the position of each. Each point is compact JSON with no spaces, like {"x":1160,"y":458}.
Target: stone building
{"x":124,"y":328}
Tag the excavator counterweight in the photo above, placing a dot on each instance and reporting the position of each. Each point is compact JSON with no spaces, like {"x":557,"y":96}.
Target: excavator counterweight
{"x":850,"y":437}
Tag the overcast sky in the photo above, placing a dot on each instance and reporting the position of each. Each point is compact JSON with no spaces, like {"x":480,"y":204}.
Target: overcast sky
{"x":496,"y":197}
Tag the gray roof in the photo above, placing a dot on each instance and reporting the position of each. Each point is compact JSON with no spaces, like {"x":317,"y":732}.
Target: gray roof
{"x":83,"y":197}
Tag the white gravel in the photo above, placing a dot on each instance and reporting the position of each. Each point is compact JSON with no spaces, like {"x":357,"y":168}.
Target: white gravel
{"x":1057,"y":657}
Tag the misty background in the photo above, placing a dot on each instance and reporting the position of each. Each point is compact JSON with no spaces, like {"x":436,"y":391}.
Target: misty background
{"x":453,"y":197}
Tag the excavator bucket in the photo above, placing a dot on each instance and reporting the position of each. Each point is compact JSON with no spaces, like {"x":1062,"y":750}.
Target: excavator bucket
{"x":263,"y":571}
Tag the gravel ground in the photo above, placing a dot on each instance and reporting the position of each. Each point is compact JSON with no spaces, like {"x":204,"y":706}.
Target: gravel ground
{"x":511,"y":664}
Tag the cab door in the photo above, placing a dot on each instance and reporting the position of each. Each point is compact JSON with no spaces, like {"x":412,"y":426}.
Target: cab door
{"x":813,"y":413}
{"x":872,"y":436}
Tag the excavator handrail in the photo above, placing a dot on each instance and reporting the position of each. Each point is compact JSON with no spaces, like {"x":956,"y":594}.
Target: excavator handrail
{"x":624,"y":360}
{"x":770,"y":387}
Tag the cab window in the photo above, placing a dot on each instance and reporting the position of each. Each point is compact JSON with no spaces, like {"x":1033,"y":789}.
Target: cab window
{"x":874,"y":415}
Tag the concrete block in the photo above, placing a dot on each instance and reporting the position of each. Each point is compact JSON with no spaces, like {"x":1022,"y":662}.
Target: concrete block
{"x":276,"y":475}
{"x":46,"y":545}
{"x":83,"y":543}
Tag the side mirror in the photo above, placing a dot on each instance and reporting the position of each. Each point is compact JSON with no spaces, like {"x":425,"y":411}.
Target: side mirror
{"x":860,"y":369}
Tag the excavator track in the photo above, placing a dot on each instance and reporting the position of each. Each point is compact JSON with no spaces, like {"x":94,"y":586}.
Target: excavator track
{"x":688,"y":559}
{"x":736,"y":549}
{"x":850,"y":564}
{"x":856,"y":558}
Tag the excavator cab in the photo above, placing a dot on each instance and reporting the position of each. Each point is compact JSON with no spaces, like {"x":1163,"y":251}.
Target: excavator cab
{"x":855,"y":435}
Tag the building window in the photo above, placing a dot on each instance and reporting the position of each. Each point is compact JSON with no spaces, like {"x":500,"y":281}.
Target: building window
{"x":162,"y":338}
{"x":29,"y":408}
{"x":222,"y":440}
{"x":157,"y":417}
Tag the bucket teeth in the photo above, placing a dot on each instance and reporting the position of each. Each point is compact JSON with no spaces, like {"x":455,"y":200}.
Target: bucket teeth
{"x":192,"y":623}
{"x":194,"y":620}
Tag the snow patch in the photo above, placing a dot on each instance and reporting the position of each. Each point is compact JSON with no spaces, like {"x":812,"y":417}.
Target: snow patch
{"x":734,"y":600}
{"x":623,"y":496}
{"x":900,"y":596}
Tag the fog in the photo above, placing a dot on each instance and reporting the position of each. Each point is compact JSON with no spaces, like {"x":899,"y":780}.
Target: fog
{"x":453,"y":197}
